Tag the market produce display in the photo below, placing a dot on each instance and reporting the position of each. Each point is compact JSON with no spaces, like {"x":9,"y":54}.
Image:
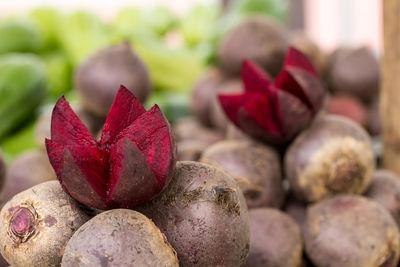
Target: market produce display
{"x":217,"y":137}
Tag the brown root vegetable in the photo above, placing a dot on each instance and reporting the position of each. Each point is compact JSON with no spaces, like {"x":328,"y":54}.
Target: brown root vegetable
{"x":119,"y":237}
{"x":2,"y":170}
{"x":27,"y":170}
{"x":204,"y":215}
{"x":333,"y":156}
{"x":203,"y":92}
{"x":351,"y":231}
{"x":190,"y":150}
{"x":349,"y":107}
{"x":355,"y":72}
{"x":99,"y":77}
{"x":302,"y":42}
{"x":275,"y":239}
{"x":385,"y":189}
{"x":218,"y":118}
{"x":36,"y":224}
{"x":256,"y":168}
{"x":191,"y":129}
{"x":258,"y":39}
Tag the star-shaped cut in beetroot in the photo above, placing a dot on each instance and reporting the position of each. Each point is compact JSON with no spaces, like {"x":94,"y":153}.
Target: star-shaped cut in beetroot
{"x":276,"y":110}
{"x":130,"y":165}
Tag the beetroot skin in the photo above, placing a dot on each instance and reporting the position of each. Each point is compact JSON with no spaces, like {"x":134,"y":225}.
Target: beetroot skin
{"x":130,"y":165}
{"x":275,"y":111}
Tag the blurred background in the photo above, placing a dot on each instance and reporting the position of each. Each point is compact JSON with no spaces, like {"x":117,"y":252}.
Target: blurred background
{"x":44,"y":43}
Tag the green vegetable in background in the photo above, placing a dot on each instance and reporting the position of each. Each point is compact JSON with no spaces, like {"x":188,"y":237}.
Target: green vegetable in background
{"x":59,"y":73}
{"x":19,"y":35}
{"x":276,"y":9}
{"x":155,"y":21}
{"x":81,"y":34}
{"x":22,"y":89}
{"x":47,"y":21}
{"x":170,"y":69}
{"x":197,"y":24}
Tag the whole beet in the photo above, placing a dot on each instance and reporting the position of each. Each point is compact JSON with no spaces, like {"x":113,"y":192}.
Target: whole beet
{"x":202,"y":93}
{"x":36,"y":224}
{"x":119,"y":237}
{"x":275,"y":239}
{"x":333,"y":156}
{"x":256,"y":168}
{"x":256,"y":38}
{"x":385,"y":189}
{"x":99,"y":77}
{"x":348,"y":106}
{"x":354,"y":71}
{"x":204,"y":216}
{"x":191,"y":129}
{"x":351,"y":231}
{"x":27,"y":170}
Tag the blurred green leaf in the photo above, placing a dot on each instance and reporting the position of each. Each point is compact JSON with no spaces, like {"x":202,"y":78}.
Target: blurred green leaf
{"x":48,"y":22}
{"x":59,"y":73}
{"x":19,"y":35}
{"x":81,"y":34}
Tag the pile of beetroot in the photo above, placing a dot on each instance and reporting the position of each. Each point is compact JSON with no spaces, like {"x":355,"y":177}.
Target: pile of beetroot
{"x":262,"y":175}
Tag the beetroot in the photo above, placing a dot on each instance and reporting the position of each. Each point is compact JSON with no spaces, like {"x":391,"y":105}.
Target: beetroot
{"x":295,"y":209}
{"x":355,"y":71}
{"x":348,"y":106}
{"x":385,"y":189}
{"x":191,"y":129}
{"x":36,"y":224}
{"x":256,"y":38}
{"x":333,"y":156}
{"x":275,"y":111}
{"x":27,"y":170}
{"x":347,"y":231}
{"x":204,"y":216}
{"x":275,"y":239}
{"x":131,"y":164}
{"x":202,"y":93}
{"x":100,"y":75}
{"x":119,"y":237}
{"x":254,"y":166}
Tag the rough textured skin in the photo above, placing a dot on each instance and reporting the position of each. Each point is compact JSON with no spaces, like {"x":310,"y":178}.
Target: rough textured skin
{"x":351,"y":231}
{"x":385,"y":189}
{"x":356,"y":72}
{"x":98,"y":78}
{"x":257,"y":39}
{"x":118,"y":238}
{"x":255,"y":167}
{"x":53,"y":218}
{"x":27,"y":170}
{"x":333,"y":156}
{"x":204,"y":216}
{"x":2,"y":170}
{"x":275,"y":239}
{"x":202,"y":93}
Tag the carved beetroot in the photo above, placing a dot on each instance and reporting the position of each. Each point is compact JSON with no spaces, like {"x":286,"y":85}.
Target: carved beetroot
{"x":131,"y":164}
{"x":275,"y":111}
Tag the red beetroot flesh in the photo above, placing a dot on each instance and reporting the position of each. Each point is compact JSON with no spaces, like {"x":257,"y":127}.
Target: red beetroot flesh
{"x":275,"y":111}
{"x":22,"y":222}
{"x":130,"y":165}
